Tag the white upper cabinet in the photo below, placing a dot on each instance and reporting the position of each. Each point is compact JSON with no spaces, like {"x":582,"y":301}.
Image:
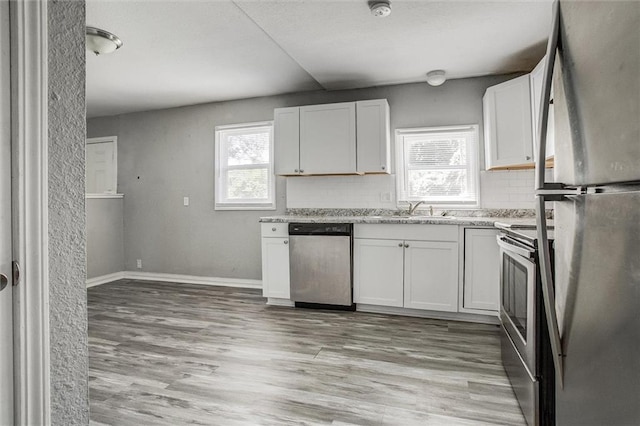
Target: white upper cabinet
{"x":508,"y":135}
{"x":536,"y":78}
{"x":372,"y":130}
{"x":340,"y":138}
{"x":328,"y":138}
{"x":287,"y":140}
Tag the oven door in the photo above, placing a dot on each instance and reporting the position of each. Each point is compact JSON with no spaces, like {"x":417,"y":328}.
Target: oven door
{"x":517,"y":298}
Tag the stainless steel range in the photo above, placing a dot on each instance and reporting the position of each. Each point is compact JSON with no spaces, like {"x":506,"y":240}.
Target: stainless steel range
{"x":525,"y":345}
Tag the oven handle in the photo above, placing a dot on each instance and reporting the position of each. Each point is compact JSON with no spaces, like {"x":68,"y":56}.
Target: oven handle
{"x":526,"y":253}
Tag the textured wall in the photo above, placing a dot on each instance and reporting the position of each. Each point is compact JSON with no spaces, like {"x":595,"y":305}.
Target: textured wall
{"x":166,"y":155}
{"x":105,"y":236}
{"x":67,"y":294}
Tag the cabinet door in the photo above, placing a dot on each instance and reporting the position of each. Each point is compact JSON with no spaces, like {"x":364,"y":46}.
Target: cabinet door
{"x":286,"y":135}
{"x":481,"y":270}
{"x":507,"y":124}
{"x":275,"y":267}
{"x":328,"y":138}
{"x":536,"y":82}
{"x":372,"y":136}
{"x":377,"y":275}
{"x":431,"y":275}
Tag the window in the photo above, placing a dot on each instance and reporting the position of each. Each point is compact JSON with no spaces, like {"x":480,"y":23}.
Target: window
{"x":101,"y":165}
{"x":244,"y":167}
{"x":438,"y":165}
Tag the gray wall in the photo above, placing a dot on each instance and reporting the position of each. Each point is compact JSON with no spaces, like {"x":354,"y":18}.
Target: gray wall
{"x":67,"y":294}
{"x":105,"y":236}
{"x":168,"y":154}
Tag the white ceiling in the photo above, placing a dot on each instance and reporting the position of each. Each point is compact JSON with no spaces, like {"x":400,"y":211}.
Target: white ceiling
{"x":186,"y":52}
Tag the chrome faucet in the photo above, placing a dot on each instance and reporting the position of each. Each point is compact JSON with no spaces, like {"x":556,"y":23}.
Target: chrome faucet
{"x":413,"y":207}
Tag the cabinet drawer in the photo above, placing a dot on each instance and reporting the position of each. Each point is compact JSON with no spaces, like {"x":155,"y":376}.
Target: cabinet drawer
{"x":275,"y":229}
{"x":406,"y":232}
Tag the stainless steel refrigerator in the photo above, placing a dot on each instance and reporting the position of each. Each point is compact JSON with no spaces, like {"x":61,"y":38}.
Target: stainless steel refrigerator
{"x":595,"y":294}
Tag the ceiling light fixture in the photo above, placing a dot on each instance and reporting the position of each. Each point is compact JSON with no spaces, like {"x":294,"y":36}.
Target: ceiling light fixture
{"x":100,"y":41}
{"x":436,"y":77}
{"x":380,"y":9}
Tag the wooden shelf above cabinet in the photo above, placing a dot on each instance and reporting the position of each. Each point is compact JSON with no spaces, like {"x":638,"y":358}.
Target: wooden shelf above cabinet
{"x":548,"y":164}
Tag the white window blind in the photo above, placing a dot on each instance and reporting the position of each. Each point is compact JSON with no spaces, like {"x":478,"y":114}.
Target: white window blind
{"x":438,"y":165}
{"x":244,"y":167}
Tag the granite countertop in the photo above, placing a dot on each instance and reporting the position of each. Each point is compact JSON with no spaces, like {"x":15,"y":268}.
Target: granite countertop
{"x":521,"y":223}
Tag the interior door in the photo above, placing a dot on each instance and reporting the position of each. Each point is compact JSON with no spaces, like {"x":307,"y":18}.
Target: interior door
{"x":100,"y":164}
{"x":6,"y":299}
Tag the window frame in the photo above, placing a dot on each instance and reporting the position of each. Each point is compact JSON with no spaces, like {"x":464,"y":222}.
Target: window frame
{"x":219,"y":181}
{"x":473,"y":165}
{"x":114,"y":178}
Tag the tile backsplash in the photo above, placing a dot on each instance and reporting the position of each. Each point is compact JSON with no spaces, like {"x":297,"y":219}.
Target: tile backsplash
{"x":369,"y":191}
{"x":509,"y":189}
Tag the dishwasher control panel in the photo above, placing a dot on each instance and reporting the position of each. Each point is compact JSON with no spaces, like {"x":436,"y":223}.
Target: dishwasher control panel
{"x":320,"y":228}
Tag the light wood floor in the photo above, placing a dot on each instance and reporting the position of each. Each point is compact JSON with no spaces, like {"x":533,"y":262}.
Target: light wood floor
{"x":184,"y":354}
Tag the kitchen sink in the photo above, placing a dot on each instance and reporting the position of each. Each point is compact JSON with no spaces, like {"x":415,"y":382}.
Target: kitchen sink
{"x":423,"y":217}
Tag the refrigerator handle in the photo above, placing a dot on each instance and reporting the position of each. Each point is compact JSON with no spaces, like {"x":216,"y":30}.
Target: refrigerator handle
{"x":548,"y":292}
{"x":552,"y":192}
{"x":547,"y":81}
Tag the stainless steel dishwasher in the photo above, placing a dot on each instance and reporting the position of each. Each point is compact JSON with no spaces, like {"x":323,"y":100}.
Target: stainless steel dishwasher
{"x":320,"y":264}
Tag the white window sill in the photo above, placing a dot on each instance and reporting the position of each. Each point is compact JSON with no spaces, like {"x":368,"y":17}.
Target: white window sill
{"x":98,"y":196}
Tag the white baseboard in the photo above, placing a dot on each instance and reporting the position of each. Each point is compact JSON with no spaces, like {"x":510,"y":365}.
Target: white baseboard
{"x":103,"y":279}
{"x":452,"y":316}
{"x":174,"y":278}
{"x":275,"y":301}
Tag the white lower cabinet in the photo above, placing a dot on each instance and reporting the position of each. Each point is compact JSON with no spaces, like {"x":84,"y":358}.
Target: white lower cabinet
{"x":378,"y":270}
{"x":481,"y":270}
{"x":275,"y":261}
{"x":431,"y":275}
{"x":406,"y":273}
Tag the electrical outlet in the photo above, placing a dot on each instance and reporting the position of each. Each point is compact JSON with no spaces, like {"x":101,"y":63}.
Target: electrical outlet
{"x":139,"y":263}
{"x":385,"y":196}
{"x":185,"y":201}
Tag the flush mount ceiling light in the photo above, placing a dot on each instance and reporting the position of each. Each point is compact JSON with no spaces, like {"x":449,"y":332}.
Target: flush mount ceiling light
{"x":380,"y":9}
{"x":100,"y":41}
{"x":436,"y":77}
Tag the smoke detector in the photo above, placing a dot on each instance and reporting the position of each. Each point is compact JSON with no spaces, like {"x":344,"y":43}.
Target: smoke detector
{"x":380,"y":9}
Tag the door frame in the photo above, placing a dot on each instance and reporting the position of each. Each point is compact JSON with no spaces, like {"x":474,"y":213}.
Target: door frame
{"x":29,"y":129}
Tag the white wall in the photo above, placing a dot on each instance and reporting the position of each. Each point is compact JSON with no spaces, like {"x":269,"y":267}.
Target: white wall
{"x":67,"y":303}
{"x":105,"y":236}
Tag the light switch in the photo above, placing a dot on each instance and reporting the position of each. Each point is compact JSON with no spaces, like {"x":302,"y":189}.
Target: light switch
{"x":185,"y":201}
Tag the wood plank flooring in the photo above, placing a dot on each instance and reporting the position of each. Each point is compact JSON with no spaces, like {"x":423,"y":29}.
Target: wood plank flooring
{"x":164,"y":354}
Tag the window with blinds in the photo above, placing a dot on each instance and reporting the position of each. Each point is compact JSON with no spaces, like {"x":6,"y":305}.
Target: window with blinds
{"x":438,"y":165}
{"x":244,"y":167}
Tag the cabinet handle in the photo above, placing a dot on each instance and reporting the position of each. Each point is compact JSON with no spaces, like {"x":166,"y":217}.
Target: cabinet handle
{"x":286,"y":241}
{"x":399,"y":244}
{"x":296,"y":170}
{"x":383,"y":167}
{"x":406,"y":245}
{"x":528,"y":157}
{"x":301,"y":171}
{"x":274,"y":229}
